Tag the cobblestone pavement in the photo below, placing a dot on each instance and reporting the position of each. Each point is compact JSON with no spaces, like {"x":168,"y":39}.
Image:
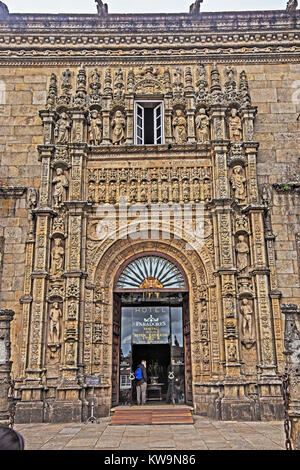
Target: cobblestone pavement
{"x":203,"y":435}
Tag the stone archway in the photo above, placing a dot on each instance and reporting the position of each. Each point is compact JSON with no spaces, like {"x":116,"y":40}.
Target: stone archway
{"x":198,"y":267}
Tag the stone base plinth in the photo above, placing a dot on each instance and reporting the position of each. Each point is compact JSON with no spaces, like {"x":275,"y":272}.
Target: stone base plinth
{"x":29,"y":412}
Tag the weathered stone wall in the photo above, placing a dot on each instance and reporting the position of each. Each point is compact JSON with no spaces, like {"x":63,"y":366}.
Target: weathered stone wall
{"x":272,"y":88}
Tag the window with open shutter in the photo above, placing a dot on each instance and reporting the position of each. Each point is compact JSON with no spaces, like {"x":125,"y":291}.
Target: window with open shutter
{"x":149,"y":123}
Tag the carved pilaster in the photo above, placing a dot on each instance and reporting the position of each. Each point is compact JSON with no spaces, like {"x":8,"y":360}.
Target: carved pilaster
{"x":45,"y":155}
{"x":48,"y":119}
{"x":221,"y":182}
{"x":6,"y":316}
{"x":251,"y":154}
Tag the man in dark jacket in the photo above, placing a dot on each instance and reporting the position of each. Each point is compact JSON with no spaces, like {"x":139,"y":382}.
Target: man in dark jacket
{"x":141,"y":383}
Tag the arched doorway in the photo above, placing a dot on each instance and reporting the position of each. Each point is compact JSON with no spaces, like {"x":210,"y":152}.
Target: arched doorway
{"x":151,"y":321}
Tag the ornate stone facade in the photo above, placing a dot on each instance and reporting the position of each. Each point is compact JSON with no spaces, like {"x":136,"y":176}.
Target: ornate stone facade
{"x":220,"y":111}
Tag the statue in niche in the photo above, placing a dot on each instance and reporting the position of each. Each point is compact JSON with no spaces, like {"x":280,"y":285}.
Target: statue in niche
{"x":202,"y":126}
{"x":186,"y":190}
{"x":206,"y":190}
{"x":54,"y":325}
{"x":61,"y":184}
{"x":92,"y":191}
{"x":242,"y":250}
{"x":175,"y":192}
{"x":70,"y":353}
{"x":196,"y":190}
{"x":235,"y":126}
{"x":133,"y":191}
{"x":112,"y":192}
{"x":118,"y":128}
{"x":62,"y":128}
{"x":123,"y":189}
{"x":57,"y":265}
{"x":231,"y":349}
{"x":102,"y":191}
{"x":238,"y":182}
{"x":154,"y":191}
{"x":95,"y":128}
{"x":165,"y":191}
{"x":144,"y":192}
{"x":72,"y":310}
{"x":247,"y":323}
{"x":179,"y":126}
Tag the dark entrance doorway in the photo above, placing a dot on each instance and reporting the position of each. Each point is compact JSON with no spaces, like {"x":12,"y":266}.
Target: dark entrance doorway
{"x":158,"y":358}
{"x":151,"y":322}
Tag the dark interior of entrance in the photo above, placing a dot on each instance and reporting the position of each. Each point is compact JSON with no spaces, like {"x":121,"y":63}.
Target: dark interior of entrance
{"x":158,"y":358}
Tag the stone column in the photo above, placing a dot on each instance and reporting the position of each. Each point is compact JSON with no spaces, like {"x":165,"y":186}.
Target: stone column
{"x":6,"y":316}
{"x":292,"y":352}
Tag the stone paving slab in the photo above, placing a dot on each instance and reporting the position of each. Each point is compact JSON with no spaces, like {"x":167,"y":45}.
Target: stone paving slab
{"x":202,"y":435}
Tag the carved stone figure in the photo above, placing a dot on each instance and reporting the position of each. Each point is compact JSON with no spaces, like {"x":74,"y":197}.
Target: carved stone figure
{"x":292,"y":5}
{"x":102,"y":8}
{"x":102,"y":191}
{"x":144,"y":192}
{"x":202,"y":126}
{"x":247,"y":322}
{"x":62,"y":128}
{"x":242,"y":250}
{"x":118,"y":128}
{"x":206,"y":190}
{"x":112,"y":192}
{"x":61,"y":184}
{"x":196,"y":190}
{"x":175,"y":191}
{"x":165,"y":191}
{"x":154,"y":191}
{"x":235,"y":126}
{"x":133,"y":191}
{"x":95,"y":128}
{"x":231,"y":349}
{"x":32,"y":198}
{"x":195,"y":7}
{"x":58,"y":224}
{"x":54,"y":325}
{"x":238,"y":181}
{"x":179,"y":127}
{"x":57,"y":252}
{"x":70,"y":353}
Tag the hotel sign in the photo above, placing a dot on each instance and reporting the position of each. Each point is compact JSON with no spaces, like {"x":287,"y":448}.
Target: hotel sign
{"x":150,"y":325}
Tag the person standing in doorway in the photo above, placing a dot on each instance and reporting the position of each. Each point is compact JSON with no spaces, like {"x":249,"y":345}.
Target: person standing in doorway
{"x":141,"y":383}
